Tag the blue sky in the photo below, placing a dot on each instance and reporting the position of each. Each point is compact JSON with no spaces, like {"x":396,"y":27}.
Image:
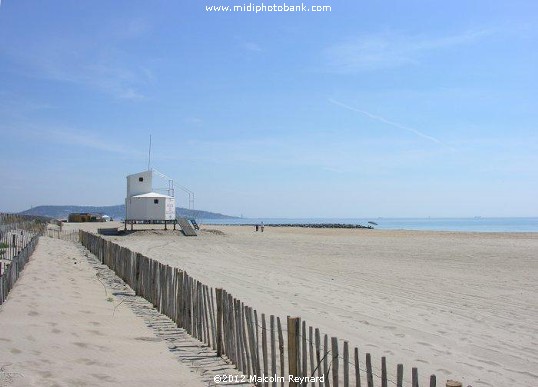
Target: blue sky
{"x":391,"y":109}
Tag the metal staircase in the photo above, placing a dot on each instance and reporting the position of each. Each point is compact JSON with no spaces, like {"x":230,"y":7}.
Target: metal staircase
{"x":186,"y":227}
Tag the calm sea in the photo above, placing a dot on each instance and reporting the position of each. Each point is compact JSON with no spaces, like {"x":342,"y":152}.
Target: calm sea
{"x":432,"y":224}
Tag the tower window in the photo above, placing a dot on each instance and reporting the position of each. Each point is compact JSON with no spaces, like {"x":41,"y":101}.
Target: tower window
{"x":140,"y":179}
{"x":156,"y":201}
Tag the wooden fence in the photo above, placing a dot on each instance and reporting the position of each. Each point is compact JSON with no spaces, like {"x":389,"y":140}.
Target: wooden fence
{"x":12,"y":242}
{"x":16,"y":232}
{"x":71,"y":236}
{"x":22,"y":222}
{"x":259,"y":345}
{"x":11,"y":271}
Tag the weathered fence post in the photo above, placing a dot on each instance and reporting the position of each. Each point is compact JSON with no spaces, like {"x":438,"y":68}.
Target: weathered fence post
{"x":414,"y":377}
{"x":264,"y":350}
{"x":399,"y":376}
{"x":219,"y":321}
{"x":255,"y":341}
{"x":334,"y":347}
{"x":318,"y":352}
{"x":346,"y":364}
{"x":357,"y":369}
{"x":304,"y":362}
{"x":273,"y":350}
{"x":311,"y":351}
{"x":293,"y":347}
{"x":14,"y":244}
{"x":326,"y":359}
{"x":383,"y":371}
{"x":281,"y":350}
{"x":369,"y":374}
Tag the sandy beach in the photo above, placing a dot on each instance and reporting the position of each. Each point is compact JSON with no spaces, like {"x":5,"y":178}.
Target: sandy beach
{"x":60,"y":327}
{"x":387,"y":148}
{"x":460,"y":305}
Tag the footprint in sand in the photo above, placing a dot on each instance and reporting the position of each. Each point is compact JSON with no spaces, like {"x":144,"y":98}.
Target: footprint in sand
{"x":45,"y":374}
{"x":86,"y":361}
{"x":105,"y":378}
{"x":424,"y":344}
{"x":489,"y":362}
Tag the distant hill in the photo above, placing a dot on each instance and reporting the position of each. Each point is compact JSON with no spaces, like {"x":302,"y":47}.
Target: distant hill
{"x":115,"y":212}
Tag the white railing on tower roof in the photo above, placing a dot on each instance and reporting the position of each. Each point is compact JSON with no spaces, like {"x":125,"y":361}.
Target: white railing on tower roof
{"x":171,"y":188}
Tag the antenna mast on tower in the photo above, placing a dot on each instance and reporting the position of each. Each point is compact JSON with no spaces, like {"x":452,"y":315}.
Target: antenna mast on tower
{"x":149,"y":153}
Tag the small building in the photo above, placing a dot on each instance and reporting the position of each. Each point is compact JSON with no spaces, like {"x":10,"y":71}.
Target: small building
{"x":144,"y":204}
{"x":81,"y":217}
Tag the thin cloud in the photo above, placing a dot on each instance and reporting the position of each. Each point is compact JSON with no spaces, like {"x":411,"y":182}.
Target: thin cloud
{"x":99,"y":63}
{"x":250,"y":46}
{"x":83,"y":139}
{"x":301,"y":152}
{"x":390,"y":49}
{"x":193,"y":121}
{"x":385,"y":121}
{"x":68,"y":136}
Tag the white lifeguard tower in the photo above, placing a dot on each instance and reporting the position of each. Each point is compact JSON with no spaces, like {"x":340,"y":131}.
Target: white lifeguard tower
{"x":143,"y":203}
